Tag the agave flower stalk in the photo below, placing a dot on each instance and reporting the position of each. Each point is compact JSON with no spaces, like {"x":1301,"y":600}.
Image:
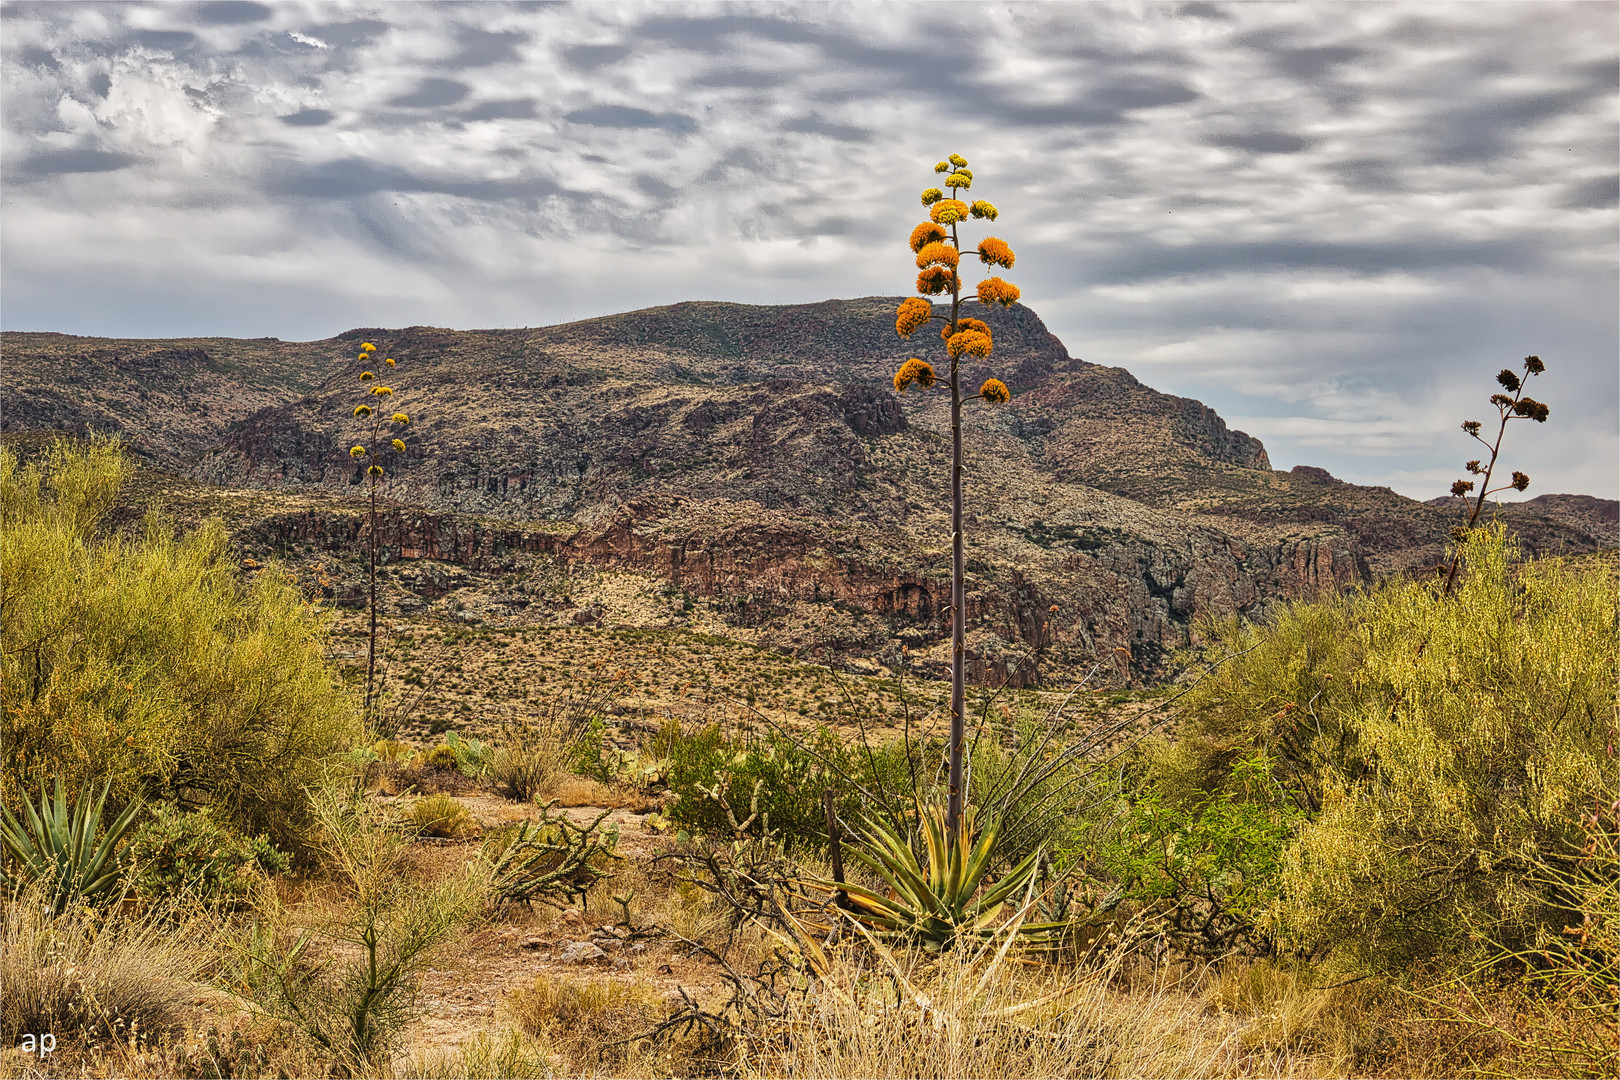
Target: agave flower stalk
{"x":938,"y":248}
{"x":377,"y":418}
{"x":1518,"y":407}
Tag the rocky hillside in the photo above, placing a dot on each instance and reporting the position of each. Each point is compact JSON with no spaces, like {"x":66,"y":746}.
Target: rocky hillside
{"x":757,"y":459}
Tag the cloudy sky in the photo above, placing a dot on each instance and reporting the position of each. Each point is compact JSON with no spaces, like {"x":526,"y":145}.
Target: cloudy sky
{"x":1332,"y":222}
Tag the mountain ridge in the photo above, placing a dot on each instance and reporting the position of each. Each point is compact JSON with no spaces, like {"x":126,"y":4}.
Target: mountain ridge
{"x":757,"y":458}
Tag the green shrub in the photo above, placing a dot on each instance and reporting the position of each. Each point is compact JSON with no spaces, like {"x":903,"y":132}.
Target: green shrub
{"x":1207,"y":870}
{"x":712,"y":765}
{"x":1445,"y":747}
{"x":147,"y":662}
{"x":176,"y":853}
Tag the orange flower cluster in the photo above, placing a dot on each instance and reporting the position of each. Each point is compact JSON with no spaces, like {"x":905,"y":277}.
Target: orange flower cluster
{"x":993,"y":251}
{"x":994,"y":390}
{"x":937,"y":254}
{"x":912,"y":314}
{"x":970,"y":342}
{"x":925,"y":234}
{"x":993,"y":290}
{"x":965,"y":324}
{"x":936,"y":280}
{"x":914,"y":371}
{"x":948,"y":211}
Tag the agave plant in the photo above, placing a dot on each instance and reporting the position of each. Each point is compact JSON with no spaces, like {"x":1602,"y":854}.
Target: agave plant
{"x":946,"y":901}
{"x":58,"y":849}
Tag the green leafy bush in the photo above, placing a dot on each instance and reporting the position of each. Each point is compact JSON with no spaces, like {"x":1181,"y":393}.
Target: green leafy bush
{"x":712,"y":765}
{"x":147,"y":662}
{"x":192,"y":854}
{"x":1207,"y":870}
{"x":1444,"y":747}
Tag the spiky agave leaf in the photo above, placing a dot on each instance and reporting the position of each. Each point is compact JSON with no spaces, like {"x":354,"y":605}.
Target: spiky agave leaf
{"x":59,"y":848}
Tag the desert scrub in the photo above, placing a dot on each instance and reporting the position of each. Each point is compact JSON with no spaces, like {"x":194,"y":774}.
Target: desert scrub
{"x":1444,"y":748}
{"x":348,"y":981}
{"x":148,"y":663}
{"x":177,"y":854}
{"x":442,"y":816}
{"x":87,"y":975}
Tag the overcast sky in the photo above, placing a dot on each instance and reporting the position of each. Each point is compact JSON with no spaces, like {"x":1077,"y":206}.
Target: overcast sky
{"x":1332,"y":222}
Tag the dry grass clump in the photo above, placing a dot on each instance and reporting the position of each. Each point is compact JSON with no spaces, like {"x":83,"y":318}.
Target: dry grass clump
{"x":87,"y":976}
{"x":510,"y":1055}
{"x":443,"y":816}
{"x":585,"y":1018}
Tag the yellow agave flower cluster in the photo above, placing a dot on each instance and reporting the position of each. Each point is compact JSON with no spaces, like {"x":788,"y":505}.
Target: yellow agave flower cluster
{"x":939,"y":254}
{"x":364,"y":411}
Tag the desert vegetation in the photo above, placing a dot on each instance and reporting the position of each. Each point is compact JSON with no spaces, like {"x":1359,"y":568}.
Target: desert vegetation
{"x":1373,"y":834}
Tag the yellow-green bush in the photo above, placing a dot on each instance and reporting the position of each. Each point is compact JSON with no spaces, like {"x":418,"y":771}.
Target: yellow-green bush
{"x":441,"y":815}
{"x":1448,"y":746}
{"x":147,"y":661}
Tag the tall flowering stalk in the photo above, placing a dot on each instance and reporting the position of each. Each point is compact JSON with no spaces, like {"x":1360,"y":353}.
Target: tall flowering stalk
{"x":1518,"y":407}
{"x":382,"y":428}
{"x":938,"y":248}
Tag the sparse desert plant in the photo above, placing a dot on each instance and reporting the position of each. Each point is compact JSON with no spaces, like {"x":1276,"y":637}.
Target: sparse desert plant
{"x":938,"y":250}
{"x":528,"y":769}
{"x":352,"y":1004}
{"x":509,"y":1055}
{"x":1519,"y":406}
{"x":146,"y":662}
{"x":946,"y":900}
{"x":91,"y":975}
{"x":585,"y":1016}
{"x":176,"y":853}
{"x":552,"y":860}
{"x":377,"y":418}
{"x":472,"y":755}
{"x":444,"y":816}
{"x":63,"y":851}
{"x":443,"y":758}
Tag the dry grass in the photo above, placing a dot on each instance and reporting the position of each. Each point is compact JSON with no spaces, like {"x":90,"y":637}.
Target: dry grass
{"x":442,"y":816}
{"x":96,"y":976}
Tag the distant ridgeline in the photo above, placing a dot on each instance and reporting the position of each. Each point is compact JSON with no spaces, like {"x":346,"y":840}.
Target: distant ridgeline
{"x":756,"y":458}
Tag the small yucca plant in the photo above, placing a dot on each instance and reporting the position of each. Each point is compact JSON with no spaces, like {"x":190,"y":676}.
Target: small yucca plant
{"x":59,"y":851}
{"x":945,"y":901}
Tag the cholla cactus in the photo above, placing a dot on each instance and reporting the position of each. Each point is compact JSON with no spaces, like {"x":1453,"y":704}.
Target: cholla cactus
{"x":1518,"y":407}
{"x":383,"y":430}
{"x":938,"y":248}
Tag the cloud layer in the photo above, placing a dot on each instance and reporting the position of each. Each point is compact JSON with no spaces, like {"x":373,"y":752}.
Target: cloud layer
{"x":1331,"y":222}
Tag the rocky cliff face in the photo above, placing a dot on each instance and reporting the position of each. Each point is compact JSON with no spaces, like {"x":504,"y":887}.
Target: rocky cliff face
{"x":758,"y":459}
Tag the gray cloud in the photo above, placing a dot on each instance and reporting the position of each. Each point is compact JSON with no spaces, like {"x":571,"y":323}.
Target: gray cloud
{"x":352,"y":178}
{"x":1412,"y":255}
{"x":58,"y":162}
{"x":167,"y":40}
{"x":308,"y":118}
{"x":815,"y":125}
{"x":432,"y":93}
{"x":504,"y":109}
{"x":481,"y":48}
{"x":1598,"y":193}
{"x":625,"y":116}
{"x":231,"y":12}
{"x":34,"y":56}
{"x":348,"y":35}
{"x":591,"y":57}
{"x":1262,"y":142}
